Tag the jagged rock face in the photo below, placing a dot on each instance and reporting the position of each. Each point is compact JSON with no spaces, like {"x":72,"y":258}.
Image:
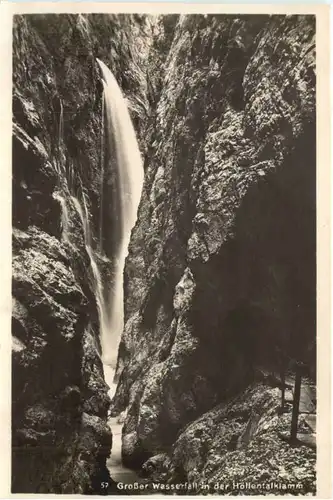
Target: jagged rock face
{"x":220,"y":275}
{"x":60,"y":402}
{"x":52,"y":372}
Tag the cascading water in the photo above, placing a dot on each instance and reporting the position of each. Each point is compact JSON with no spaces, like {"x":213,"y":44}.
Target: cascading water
{"x":64,"y":216}
{"x":120,"y":160}
{"x":118,"y":139}
{"x":98,"y":285}
{"x":60,"y":159}
{"x":121,"y":139}
{"x":102,"y":179}
{"x":61,"y":125}
{"x":126,"y":165}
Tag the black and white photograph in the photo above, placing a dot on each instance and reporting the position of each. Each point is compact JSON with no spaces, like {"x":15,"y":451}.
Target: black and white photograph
{"x":164,"y":254}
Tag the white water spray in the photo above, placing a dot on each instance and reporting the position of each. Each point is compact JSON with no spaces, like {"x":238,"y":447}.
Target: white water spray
{"x":129,"y":172}
{"x":102,"y":178}
{"x":61,"y":125}
{"x":64,"y":216}
{"x":98,"y":285}
{"x":119,"y":140}
{"x":60,"y":159}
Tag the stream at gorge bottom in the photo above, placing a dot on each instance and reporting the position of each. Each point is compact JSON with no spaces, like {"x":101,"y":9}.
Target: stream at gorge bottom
{"x":118,"y":471}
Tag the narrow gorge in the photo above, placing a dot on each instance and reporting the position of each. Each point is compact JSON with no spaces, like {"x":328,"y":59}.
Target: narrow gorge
{"x":164,"y":254}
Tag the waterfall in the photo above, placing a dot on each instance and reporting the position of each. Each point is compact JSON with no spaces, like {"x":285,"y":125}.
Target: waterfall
{"x":98,"y":284}
{"x":64,"y":216}
{"x":60,"y":160}
{"x":61,"y":125}
{"x":121,"y":141}
{"x":102,"y":179}
{"x":120,"y":160}
{"x":71,"y":177}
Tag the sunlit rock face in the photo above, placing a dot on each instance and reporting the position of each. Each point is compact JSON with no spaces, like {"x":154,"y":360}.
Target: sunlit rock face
{"x":60,"y":398}
{"x":220,"y":275}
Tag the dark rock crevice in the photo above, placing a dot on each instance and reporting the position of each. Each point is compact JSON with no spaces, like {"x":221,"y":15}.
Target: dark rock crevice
{"x":267,"y":273}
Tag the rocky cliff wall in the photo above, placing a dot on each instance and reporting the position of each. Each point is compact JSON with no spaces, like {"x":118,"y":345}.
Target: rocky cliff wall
{"x":220,"y":277}
{"x":60,"y":434}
